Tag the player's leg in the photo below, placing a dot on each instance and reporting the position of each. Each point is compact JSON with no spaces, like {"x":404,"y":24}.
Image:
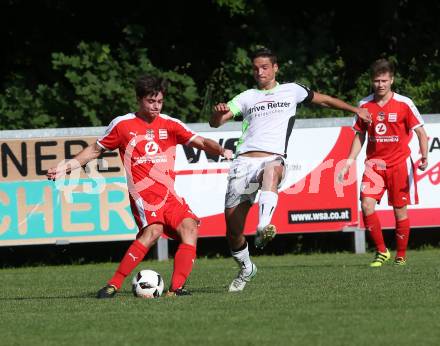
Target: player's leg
{"x":402,"y":234}
{"x":185,"y":255}
{"x":270,"y":179}
{"x":372,"y":190}
{"x":403,"y":191}
{"x":372,"y":223}
{"x":235,"y":220}
{"x":373,"y":226}
{"x":182,"y":224}
{"x":240,"y":194}
{"x":133,"y":256}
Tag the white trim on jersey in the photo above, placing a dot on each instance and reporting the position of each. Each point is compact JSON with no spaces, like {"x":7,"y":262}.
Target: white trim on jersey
{"x":112,"y":125}
{"x":355,"y":120}
{"x":181,"y":123}
{"x":416,"y":126}
{"x":191,"y":139}
{"x":411,"y":106}
{"x":367,"y":99}
{"x":411,"y":182}
{"x":141,"y":211}
{"x":99,"y":144}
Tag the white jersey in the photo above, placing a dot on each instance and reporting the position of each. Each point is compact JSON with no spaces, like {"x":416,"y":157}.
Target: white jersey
{"x":268,"y":116}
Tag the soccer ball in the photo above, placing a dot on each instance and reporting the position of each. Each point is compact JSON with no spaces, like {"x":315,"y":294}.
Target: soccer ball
{"x":147,"y":284}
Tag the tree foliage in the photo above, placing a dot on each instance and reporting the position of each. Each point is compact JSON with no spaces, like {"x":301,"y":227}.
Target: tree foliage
{"x":94,"y":85}
{"x":63,"y":73}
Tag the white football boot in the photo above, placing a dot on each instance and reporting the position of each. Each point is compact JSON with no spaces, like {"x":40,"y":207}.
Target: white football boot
{"x":237,"y":285}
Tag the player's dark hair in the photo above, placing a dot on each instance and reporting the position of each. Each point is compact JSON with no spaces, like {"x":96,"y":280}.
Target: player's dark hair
{"x":150,"y":85}
{"x":265,"y":53}
{"x":381,"y":66}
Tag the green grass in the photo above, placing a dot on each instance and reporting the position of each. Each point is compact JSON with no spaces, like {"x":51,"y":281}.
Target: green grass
{"x":321,"y":299}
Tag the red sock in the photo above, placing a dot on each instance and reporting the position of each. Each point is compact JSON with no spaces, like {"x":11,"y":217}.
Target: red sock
{"x":372,"y":224}
{"x":183,"y":262}
{"x":402,"y":236}
{"x":134,"y":255}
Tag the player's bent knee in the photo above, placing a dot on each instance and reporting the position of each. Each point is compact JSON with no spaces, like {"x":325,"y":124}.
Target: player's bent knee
{"x":189,"y":236}
{"x":150,"y":235}
{"x":188,"y":230}
{"x":367,"y":208}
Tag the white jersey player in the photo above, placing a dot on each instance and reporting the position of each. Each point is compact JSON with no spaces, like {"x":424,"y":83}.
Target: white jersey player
{"x":268,"y":118}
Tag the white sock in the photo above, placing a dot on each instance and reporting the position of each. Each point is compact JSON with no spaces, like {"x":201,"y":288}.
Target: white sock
{"x":243,"y":259}
{"x":267,"y":204}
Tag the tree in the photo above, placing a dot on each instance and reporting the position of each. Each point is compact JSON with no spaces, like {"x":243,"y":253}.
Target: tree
{"x":94,"y":85}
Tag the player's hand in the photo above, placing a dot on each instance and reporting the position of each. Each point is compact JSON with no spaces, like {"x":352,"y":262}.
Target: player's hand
{"x":221,"y":108}
{"x":228,"y":154}
{"x":364,"y":114}
{"x":423,"y":163}
{"x":54,"y":173}
{"x":342,"y":174}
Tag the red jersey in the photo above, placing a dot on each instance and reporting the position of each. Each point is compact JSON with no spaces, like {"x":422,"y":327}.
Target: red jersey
{"x":389,"y":132}
{"x":148,"y":151}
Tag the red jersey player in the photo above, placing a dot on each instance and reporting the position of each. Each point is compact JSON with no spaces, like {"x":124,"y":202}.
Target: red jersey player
{"x":147,"y":143}
{"x":388,"y":165}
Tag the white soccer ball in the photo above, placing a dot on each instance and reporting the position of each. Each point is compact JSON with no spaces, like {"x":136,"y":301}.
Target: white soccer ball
{"x":147,"y":284}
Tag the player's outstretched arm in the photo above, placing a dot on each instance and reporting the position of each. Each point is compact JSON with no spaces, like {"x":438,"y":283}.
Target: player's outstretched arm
{"x":356,"y":146}
{"x":423,"y":144}
{"x":221,"y":114}
{"x":211,"y":147}
{"x":332,"y":102}
{"x":88,"y":154}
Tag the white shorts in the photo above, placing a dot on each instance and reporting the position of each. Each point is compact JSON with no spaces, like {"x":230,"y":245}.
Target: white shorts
{"x":243,"y":178}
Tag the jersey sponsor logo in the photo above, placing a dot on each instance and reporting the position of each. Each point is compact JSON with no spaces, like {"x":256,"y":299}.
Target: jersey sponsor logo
{"x":151,"y":148}
{"x":384,"y":139}
{"x":267,"y":105}
{"x":149,"y":135}
{"x":381,"y":128}
{"x":153,"y":160}
{"x":153,"y":214}
{"x":267,"y":108}
{"x":163,"y":134}
{"x":392,"y":117}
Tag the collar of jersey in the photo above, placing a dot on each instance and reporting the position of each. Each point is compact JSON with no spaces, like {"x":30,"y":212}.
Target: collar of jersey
{"x":269,"y":90}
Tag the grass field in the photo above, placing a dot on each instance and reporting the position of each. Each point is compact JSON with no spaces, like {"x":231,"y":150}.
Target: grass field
{"x":320,"y":299}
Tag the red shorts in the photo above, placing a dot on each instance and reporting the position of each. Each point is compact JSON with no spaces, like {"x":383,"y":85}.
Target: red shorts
{"x":398,"y":181}
{"x":169,"y":211}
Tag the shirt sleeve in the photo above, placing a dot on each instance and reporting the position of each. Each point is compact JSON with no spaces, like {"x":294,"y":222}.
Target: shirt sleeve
{"x":358,"y":124}
{"x":303,"y":94}
{"x":184,"y":134}
{"x":414,"y":119}
{"x":111,"y":138}
{"x":237,"y":105}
